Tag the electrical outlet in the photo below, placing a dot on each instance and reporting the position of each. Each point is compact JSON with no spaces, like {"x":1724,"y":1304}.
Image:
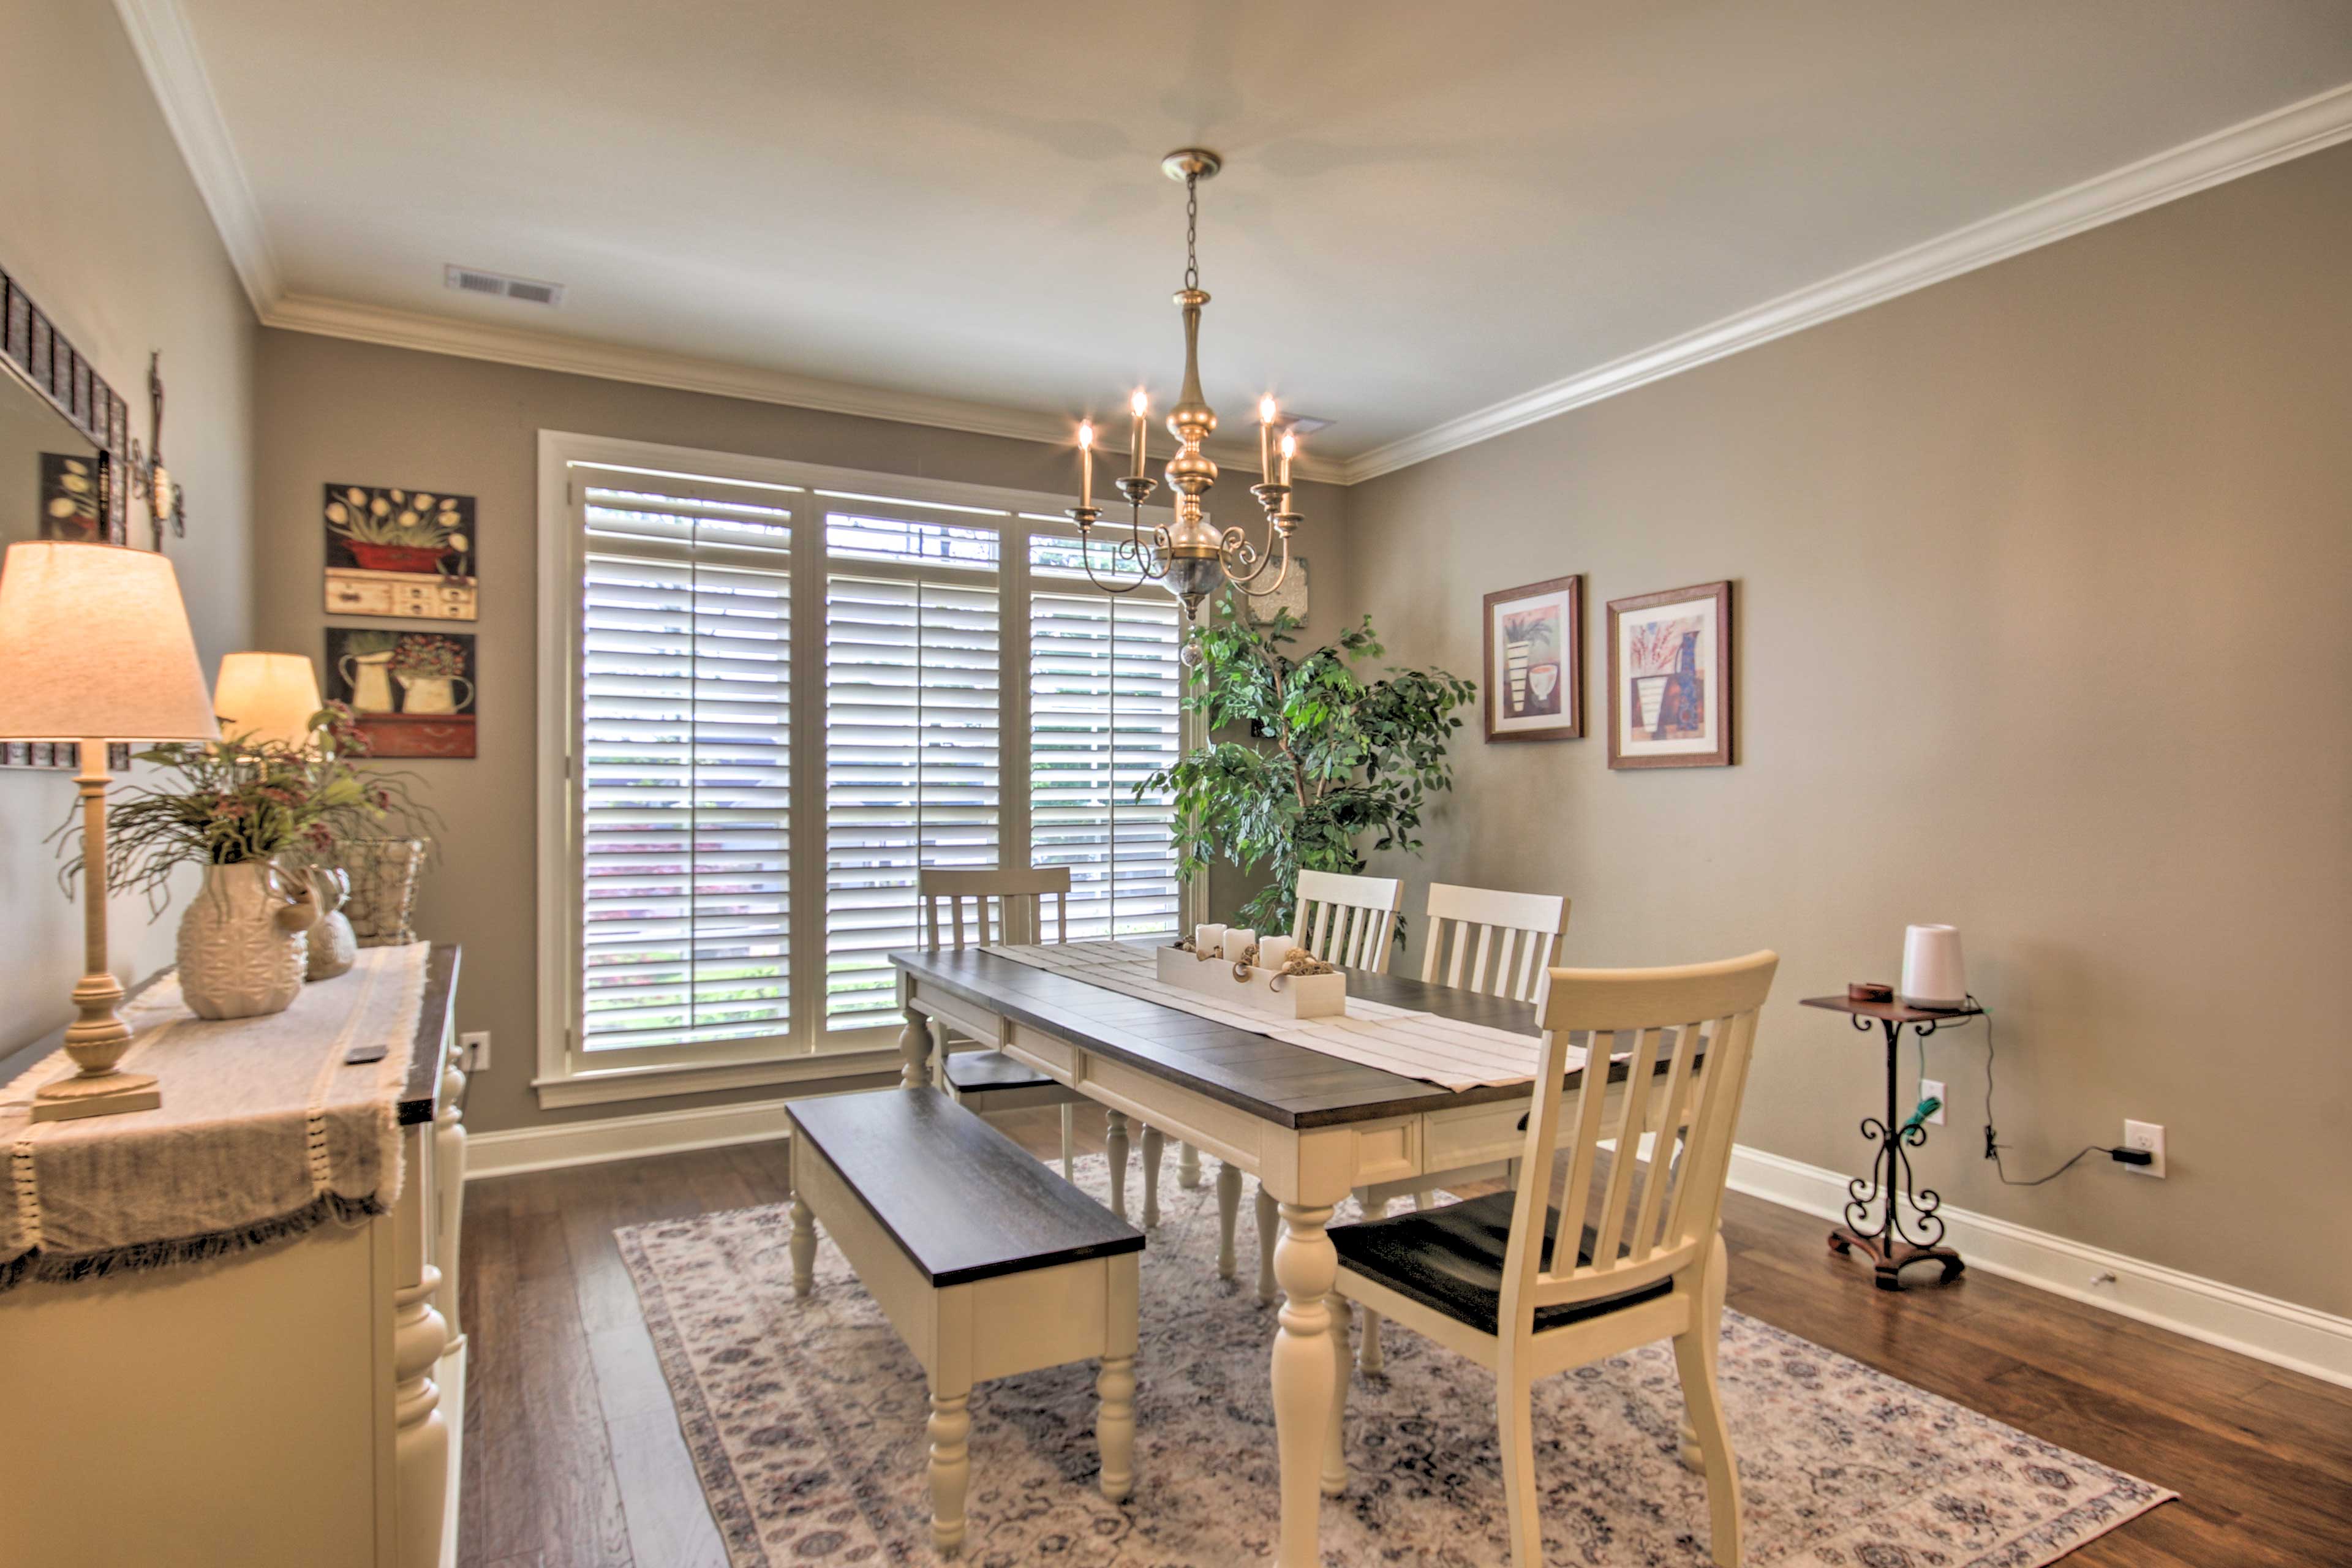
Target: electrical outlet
{"x":1931,"y":1090}
{"x":2147,"y":1135}
{"x":477,"y":1047}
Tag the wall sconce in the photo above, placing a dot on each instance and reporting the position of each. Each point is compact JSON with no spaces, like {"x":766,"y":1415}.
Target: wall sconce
{"x":150,"y":480}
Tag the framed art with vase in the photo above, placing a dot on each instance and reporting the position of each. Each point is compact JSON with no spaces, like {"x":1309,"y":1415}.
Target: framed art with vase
{"x":1670,"y":679}
{"x":1535,"y":661}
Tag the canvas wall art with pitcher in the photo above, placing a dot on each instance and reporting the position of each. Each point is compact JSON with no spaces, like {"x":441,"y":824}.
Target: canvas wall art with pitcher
{"x":412,"y":691}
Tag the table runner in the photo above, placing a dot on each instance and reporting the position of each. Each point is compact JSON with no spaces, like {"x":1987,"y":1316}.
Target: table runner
{"x":264,"y":1131}
{"x":1442,"y":1051}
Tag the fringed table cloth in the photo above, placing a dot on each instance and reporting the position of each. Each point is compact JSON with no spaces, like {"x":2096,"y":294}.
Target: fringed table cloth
{"x":266,"y":1131}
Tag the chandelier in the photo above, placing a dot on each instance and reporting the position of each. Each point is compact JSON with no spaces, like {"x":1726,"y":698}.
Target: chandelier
{"x":1190,"y":556}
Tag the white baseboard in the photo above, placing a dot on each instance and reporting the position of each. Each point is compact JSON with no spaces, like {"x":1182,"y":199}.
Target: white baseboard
{"x":2301,"y":1339}
{"x":2298,"y":1338}
{"x":516,"y":1149}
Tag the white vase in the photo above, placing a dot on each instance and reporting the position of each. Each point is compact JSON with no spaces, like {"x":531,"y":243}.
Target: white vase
{"x":334,"y":947}
{"x":243,"y":943}
{"x":432,"y":693}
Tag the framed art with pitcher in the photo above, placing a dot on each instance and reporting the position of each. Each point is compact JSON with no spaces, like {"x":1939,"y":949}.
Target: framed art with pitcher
{"x":1670,"y":679}
{"x":1535,"y":661}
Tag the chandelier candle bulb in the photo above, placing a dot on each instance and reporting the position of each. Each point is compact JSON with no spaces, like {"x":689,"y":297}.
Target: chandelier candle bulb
{"x":1142,"y":408}
{"x":1289,"y":451}
{"x":1086,"y":463}
{"x":1266,"y":413}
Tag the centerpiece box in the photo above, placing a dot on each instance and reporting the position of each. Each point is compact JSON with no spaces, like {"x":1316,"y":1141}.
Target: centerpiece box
{"x":1265,"y":991}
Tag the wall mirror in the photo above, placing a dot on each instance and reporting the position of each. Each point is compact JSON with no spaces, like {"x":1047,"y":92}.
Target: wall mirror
{"x":63,"y":433}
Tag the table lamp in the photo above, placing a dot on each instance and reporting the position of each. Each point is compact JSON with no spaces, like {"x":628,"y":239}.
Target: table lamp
{"x":267,"y":696}
{"x":95,"y":647}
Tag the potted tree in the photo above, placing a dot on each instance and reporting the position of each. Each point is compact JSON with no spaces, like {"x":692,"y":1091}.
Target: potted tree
{"x":1315,"y":756}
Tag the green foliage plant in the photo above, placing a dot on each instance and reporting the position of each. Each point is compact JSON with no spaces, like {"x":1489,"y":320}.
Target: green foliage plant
{"x":1316,"y":756}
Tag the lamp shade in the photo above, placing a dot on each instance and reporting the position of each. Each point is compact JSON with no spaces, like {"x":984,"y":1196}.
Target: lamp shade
{"x":94,"y":645}
{"x":267,"y":696}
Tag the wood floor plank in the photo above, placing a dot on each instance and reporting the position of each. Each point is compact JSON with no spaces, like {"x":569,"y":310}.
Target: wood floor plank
{"x":574,"y":1454}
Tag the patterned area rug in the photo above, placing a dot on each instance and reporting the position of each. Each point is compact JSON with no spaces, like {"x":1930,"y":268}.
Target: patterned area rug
{"x":806,"y":1420}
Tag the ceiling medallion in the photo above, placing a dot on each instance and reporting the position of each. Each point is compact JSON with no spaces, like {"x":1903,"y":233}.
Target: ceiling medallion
{"x":1190,"y":556}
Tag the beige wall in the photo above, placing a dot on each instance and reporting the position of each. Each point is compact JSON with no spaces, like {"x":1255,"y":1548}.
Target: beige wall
{"x":2040,"y":583}
{"x":101,"y":221}
{"x":345,"y":411}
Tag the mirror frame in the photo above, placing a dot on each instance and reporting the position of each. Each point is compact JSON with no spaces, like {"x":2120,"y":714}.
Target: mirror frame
{"x":37,"y":353}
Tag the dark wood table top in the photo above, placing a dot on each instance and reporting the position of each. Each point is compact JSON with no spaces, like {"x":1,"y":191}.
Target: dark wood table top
{"x":962,"y":1201}
{"x":1288,"y":1085}
{"x":1890,"y":1012}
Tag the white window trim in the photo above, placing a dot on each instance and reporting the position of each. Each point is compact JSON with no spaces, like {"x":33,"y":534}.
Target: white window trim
{"x":561,"y":1080}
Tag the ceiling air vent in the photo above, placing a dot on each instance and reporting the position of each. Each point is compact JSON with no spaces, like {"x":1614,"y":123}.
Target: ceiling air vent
{"x":474,"y":280}
{"x":1304,"y":424}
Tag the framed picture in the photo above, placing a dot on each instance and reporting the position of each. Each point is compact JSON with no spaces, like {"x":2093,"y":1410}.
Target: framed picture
{"x":412,"y":692}
{"x":1670,"y":679}
{"x":1535,"y":661}
{"x":400,"y":552}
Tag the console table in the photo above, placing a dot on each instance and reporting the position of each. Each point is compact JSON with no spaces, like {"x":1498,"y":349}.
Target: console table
{"x":299,"y":1400}
{"x":1890,"y":1247}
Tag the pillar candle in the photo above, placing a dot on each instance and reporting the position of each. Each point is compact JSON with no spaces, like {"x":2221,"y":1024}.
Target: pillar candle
{"x":1208,"y":940}
{"x":1238,"y":941}
{"x":1272,"y":949}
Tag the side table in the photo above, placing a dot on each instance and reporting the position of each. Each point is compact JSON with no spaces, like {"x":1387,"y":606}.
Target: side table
{"x":1891,"y":1248}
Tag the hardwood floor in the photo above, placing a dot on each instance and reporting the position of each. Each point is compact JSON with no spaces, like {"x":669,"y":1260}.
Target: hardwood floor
{"x":573,"y":1459}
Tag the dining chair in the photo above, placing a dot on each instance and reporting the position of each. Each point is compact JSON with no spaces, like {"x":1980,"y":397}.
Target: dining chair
{"x":1343,"y":919}
{"x":990,"y":1082}
{"x":1488,"y":1279}
{"x":1502,"y":945}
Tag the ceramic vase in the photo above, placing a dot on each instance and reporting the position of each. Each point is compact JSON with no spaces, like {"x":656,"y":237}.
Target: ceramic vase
{"x":335,"y":948}
{"x":244,"y":941}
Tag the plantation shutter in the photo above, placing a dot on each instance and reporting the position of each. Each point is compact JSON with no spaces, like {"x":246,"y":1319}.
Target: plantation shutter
{"x":1104,"y":686}
{"x":911,"y":762}
{"x":684,"y":797}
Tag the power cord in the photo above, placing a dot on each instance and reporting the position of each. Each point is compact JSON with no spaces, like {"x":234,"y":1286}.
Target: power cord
{"x":1993,"y":1145}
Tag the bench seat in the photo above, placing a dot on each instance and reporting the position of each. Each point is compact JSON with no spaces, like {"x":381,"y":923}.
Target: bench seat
{"x":984,"y":1263}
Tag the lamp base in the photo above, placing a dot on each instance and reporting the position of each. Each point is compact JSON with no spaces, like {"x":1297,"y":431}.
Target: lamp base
{"x":102,"y":1094}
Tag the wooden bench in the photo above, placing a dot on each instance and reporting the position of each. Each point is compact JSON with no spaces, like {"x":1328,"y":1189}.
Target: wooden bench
{"x":985,"y":1263}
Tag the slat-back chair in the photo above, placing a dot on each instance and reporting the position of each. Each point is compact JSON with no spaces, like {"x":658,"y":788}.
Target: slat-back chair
{"x":990,"y":1082}
{"x":1347,"y":920}
{"x":1502,"y":944}
{"x":1342,"y":920}
{"x":1490,"y":1278}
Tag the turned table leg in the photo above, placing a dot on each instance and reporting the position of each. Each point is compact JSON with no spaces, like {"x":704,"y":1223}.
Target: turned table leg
{"x":1229,"y":1214}
{"x":950,"y":1426}
{"x":1188,"y":1167}
{"x":1306,"y":1264}
{"x":804,"y":1246}
{"x":1267,"y":1229}
{"x":1155,"y":1145}
{"x":915,"y":1048}
{"x":1115,"y":1146}
{"x":1115,"y":1424}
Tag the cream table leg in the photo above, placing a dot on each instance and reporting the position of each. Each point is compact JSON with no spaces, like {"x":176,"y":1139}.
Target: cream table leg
{"x":1069,"y":1142}
{"x":1115,"y":1145}
{"x":1265,"y":1238}
{"x":1710,"y":1345}
{"x":1188,"y":1167}
{"x":914,"y":1047}
{"x":1155,"y":1146}
{"x":449,"y":1190}
{"x":1115,"y":1424}
{"x":804,"y":1246}
{"x":950,"y":1425}
{"x":1229,"y":1214}
{"x":1335,"y":1439}
{"x":1306,"y":1264}
{"x":420,"y":1441}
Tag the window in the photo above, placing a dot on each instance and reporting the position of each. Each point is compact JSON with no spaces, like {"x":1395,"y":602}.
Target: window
{"x":928,"y":662}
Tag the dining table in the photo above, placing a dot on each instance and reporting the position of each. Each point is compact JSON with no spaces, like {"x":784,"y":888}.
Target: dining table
{"x":1311,"y":1127}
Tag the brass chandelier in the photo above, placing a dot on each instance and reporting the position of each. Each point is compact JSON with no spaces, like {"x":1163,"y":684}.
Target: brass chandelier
{"x":1190,"y":556}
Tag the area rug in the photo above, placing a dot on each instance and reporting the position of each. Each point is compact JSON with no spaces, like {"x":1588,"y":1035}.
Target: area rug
{"x":805,"y":1420}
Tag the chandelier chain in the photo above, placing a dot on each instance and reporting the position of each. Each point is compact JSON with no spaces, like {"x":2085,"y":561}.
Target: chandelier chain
{"x":1192,"y":230}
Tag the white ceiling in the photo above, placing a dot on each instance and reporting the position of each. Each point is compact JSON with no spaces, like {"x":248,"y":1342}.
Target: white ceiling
{"x":1427,"y":209}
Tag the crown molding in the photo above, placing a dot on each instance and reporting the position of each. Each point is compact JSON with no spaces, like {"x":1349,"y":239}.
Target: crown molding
{"x":175,"y":74}
{"x":167,"y":52}
{"x":2313,"y":123}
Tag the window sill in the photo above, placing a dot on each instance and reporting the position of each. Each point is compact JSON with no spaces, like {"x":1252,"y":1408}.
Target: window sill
{"x":610,"y":1085}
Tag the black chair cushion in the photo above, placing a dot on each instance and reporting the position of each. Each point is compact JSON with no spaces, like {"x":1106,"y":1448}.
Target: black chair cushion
{"x":1451,"y":1259}
{"x":978,"y":1072}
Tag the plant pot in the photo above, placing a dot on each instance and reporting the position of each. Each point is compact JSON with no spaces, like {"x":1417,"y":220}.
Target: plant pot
{"x":397,"y":557}
{"x":384,"y":882}
{"x":243,"y":943}
{"x":334,"y":946}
